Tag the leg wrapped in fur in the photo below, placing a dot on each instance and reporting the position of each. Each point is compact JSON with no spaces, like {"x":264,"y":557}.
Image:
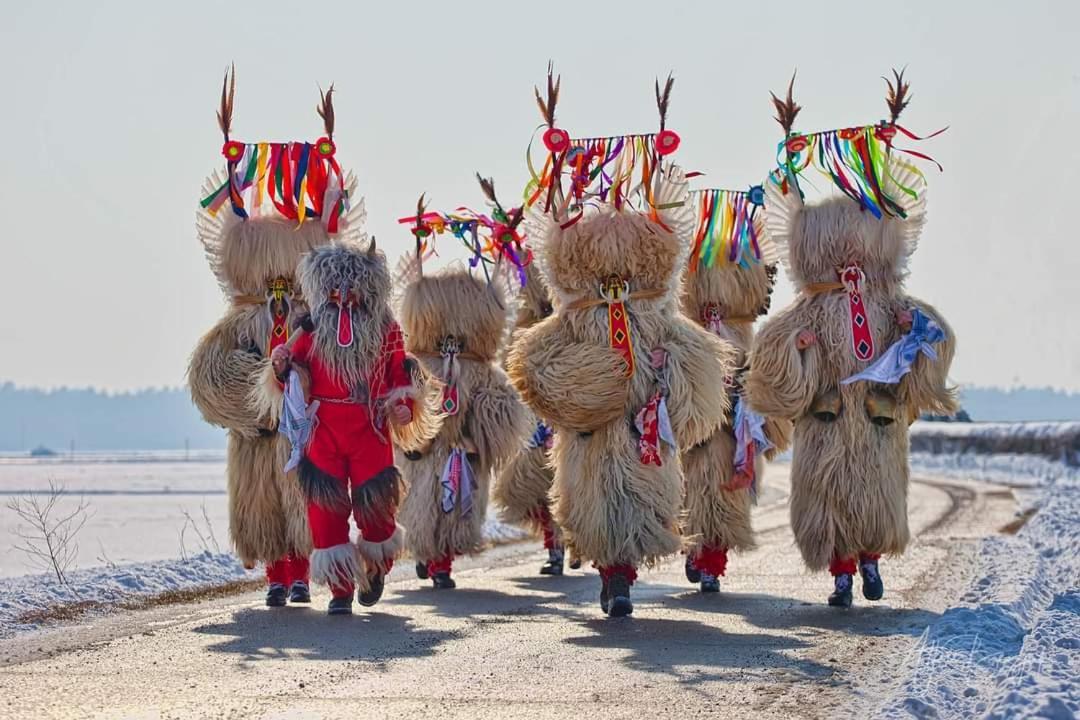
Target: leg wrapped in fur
{"x":715,"y":514}
{"x":258,"y":524}
{"x":613,"y":509}
{"x":522,"y":487}
{"x":375,"y":504}
{"x":338,"y":567}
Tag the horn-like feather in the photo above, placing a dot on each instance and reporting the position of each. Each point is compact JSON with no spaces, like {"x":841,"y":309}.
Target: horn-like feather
{"x":897,"y":96}
{"x":326,"y":110}
{"x":787,"y":110}
{"x":228,"y":92}
{"x":664,"y":98}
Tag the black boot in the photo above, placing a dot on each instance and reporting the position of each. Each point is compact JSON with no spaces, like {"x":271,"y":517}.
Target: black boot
{"x":340,"y":606}
{"x":554,"y":564}
{"x":709,"y":583}
{"x":421,"y":570}
{"x":692,"y":573}
{"x":299,"y":592}
{"x":619,"y":604}
{"x":575,"y":561}
{"x":374,"y":592}
{"x":872,"y":586}
{"x":841,"y":596}
{"x":443,"y":581}
{"x":275,"y":595}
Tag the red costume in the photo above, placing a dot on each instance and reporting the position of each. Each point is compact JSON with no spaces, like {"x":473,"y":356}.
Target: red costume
{"x":351,"y":451}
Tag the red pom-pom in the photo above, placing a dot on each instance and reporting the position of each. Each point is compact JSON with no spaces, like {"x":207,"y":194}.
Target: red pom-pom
{"x":556,"y":140}
{"x":797,"y":143}
{"x":233,"y":150}
{"x":325,"y":147}
{"x":667,"y":142}
{"x":885,"y":132}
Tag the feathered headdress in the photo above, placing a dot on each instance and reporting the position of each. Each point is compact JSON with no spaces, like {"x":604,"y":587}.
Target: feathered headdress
{"x":855,"y":159}
{"x":295,"y":181}
{"x":621,"y":170}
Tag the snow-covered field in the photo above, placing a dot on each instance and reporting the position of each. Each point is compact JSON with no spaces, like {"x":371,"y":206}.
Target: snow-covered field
{"x":1011,"y":647}
{"x":155,"y":523}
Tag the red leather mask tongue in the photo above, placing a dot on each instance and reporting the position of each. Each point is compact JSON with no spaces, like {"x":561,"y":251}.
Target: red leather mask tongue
{"x":344,"y":325}
{"x":862,"y":335}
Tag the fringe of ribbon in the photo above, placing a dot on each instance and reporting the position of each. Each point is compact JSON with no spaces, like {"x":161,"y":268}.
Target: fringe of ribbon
{"x":726,"y":232}
{"x":297,"y":179}
{"x":619,"y":170}
{"x":856,"y":160}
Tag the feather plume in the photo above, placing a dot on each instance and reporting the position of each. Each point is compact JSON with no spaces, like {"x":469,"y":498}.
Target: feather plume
{"x":547,"y":108}
{"x":897,"y":96}
{"x":664,"y":98}
{"x":228,"y":92}
{"x":786,"y":110}
{"x":326,"y":110}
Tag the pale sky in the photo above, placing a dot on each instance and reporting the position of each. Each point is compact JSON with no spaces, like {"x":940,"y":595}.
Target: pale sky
{"x":109,"y":130}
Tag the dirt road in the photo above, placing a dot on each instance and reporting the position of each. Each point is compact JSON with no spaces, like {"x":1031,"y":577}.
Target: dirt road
{"x":509,"y":643}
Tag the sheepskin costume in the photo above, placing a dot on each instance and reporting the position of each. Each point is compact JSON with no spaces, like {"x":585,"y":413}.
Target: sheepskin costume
{"x":625,"y":379}
{"x":456,"y":325}
{"x":253,"y":249}
{"x":728,"y":284}
{"x":848,"y":262}
{"x":522,"y":489}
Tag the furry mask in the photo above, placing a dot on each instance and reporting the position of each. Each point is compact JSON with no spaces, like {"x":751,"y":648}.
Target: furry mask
{"x":348,"y":290}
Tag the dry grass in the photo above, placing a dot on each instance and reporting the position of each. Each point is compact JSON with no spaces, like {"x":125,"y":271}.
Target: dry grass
{"x":1014,"y":526}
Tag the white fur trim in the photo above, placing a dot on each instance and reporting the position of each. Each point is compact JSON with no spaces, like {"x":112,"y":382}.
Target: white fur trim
{"x":329,"y":565}
{"x":380,"y":553}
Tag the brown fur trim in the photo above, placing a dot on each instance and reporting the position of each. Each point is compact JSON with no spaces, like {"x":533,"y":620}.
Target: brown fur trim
{"x":320,"y":487}
{"x":375,"y":501}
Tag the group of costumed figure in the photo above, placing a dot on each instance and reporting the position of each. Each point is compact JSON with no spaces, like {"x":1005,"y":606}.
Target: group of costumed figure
{"x":593,"y":369}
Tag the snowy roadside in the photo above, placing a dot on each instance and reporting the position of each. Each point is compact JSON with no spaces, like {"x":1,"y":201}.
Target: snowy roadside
{"x":29,"y":601}
{"x":1011,"y":648}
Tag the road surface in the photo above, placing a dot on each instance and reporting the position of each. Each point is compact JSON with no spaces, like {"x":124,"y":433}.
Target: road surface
{"x":510,"y":643}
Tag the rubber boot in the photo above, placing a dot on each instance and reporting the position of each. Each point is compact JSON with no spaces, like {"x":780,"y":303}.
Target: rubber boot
{"x":443,"y":581}
{"x":872,"y":586}
{"x":369,"y":597}
{"x":421,"y":570}
{"x":692,"y":573}
{"x":619,"y":604}
{"x":299,"y":592}
{"x":275,"y":595}
{"x":554,"y":564}
{"x":340,"y":605}
{"x":709,"y":583}
{"x":841,"y":595}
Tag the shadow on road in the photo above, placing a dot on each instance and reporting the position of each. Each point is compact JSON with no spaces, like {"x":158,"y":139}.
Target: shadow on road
{"x":685,"y":648}
{"x":771,"y":612}
{"x":260,"y":634}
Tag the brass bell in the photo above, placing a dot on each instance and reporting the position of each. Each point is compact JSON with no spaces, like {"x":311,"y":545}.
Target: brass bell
{"x":881,"y":407}
{"x":827,"y":406}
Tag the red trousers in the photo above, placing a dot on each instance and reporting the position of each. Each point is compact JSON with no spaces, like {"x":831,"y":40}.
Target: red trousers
{"x":287,"y":570}
{"x":542,"y":516}
{"x":849,"y":565}
{"x":712,"y":560}
{"x":349,"y":470}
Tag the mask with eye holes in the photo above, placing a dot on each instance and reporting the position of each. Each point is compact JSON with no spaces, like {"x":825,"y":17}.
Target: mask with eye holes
{"x":348,"y":289}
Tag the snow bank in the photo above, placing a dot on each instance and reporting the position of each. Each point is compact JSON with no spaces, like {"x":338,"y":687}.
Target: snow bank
{"x":113,"y":584}
{"x":1054,"y":440}
{"x":1011,"y":648}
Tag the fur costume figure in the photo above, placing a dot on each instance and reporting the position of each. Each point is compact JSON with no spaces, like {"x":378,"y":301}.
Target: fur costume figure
{"x":625,"y":379}
{"x":363,"y":384}
{"x":253,"y":244}
{"x":522,"y":489}
{"x":456,"y":325}
{"x":854,"y":359}
{"x":727,"y":286}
